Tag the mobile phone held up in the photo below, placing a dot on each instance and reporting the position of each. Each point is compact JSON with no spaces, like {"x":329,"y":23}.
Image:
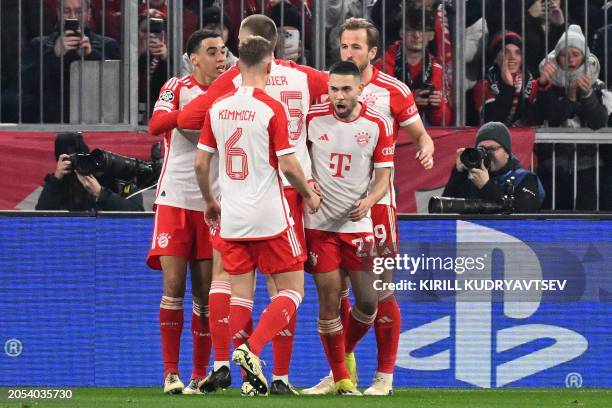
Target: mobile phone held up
{"x":156,"y":27}
{"x":428,"y":89}
{"x":72,"y":24}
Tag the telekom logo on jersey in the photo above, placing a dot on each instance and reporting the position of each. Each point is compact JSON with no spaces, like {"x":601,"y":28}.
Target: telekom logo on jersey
{"x":340,"y":162}
{"x":475,"y":359}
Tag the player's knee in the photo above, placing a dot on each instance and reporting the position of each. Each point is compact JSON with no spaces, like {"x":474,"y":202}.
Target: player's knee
{"x":174,"y":288}
{"x":367,"y":307}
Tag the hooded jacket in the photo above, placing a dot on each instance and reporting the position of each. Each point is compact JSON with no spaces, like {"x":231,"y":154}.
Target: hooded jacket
{"x":554,"y":105}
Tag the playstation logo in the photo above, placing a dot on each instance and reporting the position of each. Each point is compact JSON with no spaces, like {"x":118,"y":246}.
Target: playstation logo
{"x":479,"y":349}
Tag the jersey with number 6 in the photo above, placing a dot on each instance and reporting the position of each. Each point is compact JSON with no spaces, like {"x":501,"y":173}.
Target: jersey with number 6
{"x":250,"y":130}
{"x":294,"y":85}
{"x":344,"y":155}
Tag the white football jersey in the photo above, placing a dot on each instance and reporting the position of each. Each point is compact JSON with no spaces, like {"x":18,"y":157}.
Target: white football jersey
{"x":393,"y":99}
{"x":294,"y":85}
{"x":344,"y":155}
{"x":177,"y":185}
{"x":250,"y":130}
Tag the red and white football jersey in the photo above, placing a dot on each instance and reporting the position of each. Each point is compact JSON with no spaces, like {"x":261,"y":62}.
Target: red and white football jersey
{"x":250,"y":130}
{"x":177,"y":185}
{"x":296,"y":86}
{"x":393,"y":99}
{"x":344,"y":155}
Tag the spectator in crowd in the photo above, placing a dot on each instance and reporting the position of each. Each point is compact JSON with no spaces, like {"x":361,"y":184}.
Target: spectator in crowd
{"x":575,"y":98}
{"x":211,"y":21}
{"x":423,"y":77}
{"x":152,"y":60}
{"x":63,"y":46}
{"x":504,"y":95}
{"x":65,"y":189}
{"x":535,"y":29}
{"x":289,"y":45}
{"x":489,"y":183}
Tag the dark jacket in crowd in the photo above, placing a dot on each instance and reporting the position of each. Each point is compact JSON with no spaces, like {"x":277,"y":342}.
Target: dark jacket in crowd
{"x":555,"y":107}
{"x":69,"y":194}
{"x":51,"y":74}
{"x":528,"y":192}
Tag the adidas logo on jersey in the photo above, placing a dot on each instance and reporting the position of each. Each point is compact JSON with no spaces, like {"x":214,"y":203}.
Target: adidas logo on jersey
{"x":324,"y":137}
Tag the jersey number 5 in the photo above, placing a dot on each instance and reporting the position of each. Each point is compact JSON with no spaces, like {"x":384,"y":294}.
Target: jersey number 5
{"x":295,"y":114}
{"x":237,"y":156}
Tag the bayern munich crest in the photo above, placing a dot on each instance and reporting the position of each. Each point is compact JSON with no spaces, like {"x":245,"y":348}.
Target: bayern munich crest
{"x":162,"y":240}
{"x":312,"y":258}
{"x":369,"y":99}
{"x":362,"y":138}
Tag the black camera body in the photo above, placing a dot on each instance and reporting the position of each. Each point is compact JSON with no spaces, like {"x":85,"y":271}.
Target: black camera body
{"x":114,"y":166}
{"x":474,"y":157}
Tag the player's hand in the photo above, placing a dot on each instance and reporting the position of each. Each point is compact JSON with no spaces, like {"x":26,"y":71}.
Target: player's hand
{"x":212,"y":216}
{"x":480,"y":176}
{"x":316,"y":188}
{"x":90,"y":184}
{"x":458,"y":164}
{"x":63,"y":166}
{"x":360,"y":209}
{"x":425,"y":156}
{"x":314,"y":201}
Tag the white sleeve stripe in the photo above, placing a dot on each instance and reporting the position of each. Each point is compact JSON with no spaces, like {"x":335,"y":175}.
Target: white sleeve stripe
{"x":206,"y":148}
{"x":385,"y":120}
{"x":285,"y":151}
{"x":158,"y":108}
{"x":396,"y":82}
{"x":404,"y":90}
{"x":410,"y":120}
{"x":382,"y":165}
{"x":170,"y":83}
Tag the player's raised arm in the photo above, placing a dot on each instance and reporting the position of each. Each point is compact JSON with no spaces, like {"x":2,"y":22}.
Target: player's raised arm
{"x":192,"y":116}
{"x":166,"y":110}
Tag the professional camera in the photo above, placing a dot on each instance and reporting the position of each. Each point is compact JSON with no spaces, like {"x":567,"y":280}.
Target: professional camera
{"x":473,"y":157}
{"x":115,"y":166}
{"x":447,"y":205}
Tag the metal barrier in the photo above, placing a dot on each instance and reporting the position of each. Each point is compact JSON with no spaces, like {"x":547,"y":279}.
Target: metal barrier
{"x":459,"y":43}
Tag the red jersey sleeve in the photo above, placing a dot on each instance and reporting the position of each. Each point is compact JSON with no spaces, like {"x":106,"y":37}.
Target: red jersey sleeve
{"x":207,"y":142}
{"x":278,"y":129}
{"x":403,"y":107}
{"x":192,"y":116}
{"x":165,"y":111}
{"x":385,"y":146}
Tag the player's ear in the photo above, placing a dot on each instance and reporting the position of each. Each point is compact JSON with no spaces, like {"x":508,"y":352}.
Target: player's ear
{"x":193,"y":58}
{"x":372,"y":53}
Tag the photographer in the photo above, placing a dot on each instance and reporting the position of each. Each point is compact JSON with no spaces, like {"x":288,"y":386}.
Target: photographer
{"x":65,"y":189}
{"x":488,"y":183}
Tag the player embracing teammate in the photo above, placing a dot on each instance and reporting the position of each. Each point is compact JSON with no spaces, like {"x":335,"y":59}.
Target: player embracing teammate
{"x":392,"y":99}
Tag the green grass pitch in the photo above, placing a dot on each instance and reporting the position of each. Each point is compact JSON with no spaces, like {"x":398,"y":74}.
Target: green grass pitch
{"x":421,"y":398}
